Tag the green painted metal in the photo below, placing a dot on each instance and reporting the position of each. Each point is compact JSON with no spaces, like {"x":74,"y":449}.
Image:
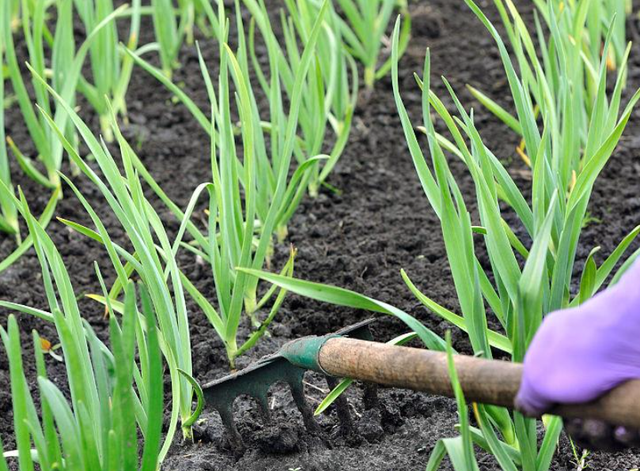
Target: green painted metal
{"x":304,"y":352}
{"x":255,"y":381}
{"x":286,"y":366}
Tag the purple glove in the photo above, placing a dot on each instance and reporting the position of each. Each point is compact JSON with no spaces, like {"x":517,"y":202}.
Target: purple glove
{"x":579,"y":354}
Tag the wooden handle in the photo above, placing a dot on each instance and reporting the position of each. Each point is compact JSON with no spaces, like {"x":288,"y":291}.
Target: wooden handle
{"x":484,"y":381}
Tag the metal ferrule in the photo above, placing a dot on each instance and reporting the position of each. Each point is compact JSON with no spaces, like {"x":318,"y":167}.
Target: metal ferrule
{"x":305,"y":352}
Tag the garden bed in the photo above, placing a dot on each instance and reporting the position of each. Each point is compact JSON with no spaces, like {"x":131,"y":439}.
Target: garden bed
{"x":359,"y":238}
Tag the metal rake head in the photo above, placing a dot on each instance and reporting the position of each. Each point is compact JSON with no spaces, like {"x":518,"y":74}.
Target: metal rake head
{"x":256,"y":380}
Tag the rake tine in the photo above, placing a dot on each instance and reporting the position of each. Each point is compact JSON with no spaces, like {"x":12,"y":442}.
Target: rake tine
{"x":297,"y":391}
{"x":235,"y":440}
{"x":263,"y":403}
{"x":370,"y":397}
{"x":342,"y":407}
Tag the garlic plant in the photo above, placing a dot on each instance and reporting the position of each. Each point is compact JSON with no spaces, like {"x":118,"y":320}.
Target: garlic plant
{"x":240,"y":228}
{"x":564,"y":172}
{"x":363,"y":25}
{"x":110,"y":67}
{"x":155,"y":264}
{"x":113,"y":396}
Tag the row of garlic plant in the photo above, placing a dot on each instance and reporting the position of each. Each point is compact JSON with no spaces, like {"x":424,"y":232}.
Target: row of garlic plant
{"x":570,"y":130}
{"x":328,"y":96}
{"x":63,"y":68}
{"x":152,"y":260}
{"x":115,"y":393}
{"x":51,"y":50}
{"x":241,"y":227}
{"x":64,"y":74}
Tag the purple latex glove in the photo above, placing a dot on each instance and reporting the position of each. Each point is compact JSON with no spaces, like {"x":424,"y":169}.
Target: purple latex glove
{"x":578,"y":354}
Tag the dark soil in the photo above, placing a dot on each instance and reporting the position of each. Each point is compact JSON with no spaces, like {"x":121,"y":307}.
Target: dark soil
{"x":359,"y":239}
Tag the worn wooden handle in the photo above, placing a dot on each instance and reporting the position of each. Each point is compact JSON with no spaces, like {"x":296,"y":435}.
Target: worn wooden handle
{"x":484,"y":381}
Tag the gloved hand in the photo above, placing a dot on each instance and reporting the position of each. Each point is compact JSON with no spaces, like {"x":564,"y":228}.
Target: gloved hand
{"x":579,"y":354}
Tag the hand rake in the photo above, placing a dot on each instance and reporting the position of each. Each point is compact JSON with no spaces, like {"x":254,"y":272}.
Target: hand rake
{"x":350,"y":353}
